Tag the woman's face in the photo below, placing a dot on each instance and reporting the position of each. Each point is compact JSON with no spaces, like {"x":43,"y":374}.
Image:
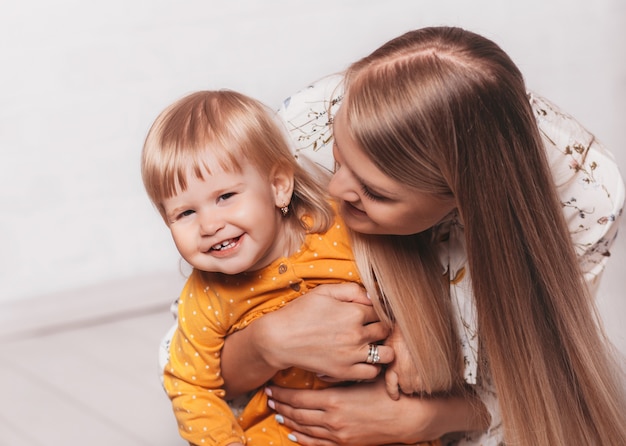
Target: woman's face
{"x":372,"y":202}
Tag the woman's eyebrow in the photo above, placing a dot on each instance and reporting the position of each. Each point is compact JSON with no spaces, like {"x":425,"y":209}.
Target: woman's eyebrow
{"x":375,"y":189}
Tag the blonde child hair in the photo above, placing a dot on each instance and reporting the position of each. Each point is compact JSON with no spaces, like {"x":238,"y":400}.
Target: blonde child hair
{"x":231,"y":127}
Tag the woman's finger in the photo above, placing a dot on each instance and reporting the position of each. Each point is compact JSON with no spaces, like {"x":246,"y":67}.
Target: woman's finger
{"x":370,"y":317}
{"x":307,"y":425}
{"x":361,"y":369}
{"x":347,"y":292}
{"x":384,"y":354}
{"x":391,"y":384}
{"x":298,"y":418}
{"x":306,"y":440}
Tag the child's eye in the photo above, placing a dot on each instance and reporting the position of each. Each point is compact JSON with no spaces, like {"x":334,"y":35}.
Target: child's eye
{"x":226,"y":196}
{"x":185,"y":213}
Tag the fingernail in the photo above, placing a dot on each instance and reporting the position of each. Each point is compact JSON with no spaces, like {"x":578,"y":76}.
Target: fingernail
{"x":292,"y":437}
{"x":279,"y":418}
{"x":268,"y":391}
{"x":368,"y":296}
{"x":271,"y":404}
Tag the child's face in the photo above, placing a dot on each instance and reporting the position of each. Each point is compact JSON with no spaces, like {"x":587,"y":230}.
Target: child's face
{"x":228,"y":222}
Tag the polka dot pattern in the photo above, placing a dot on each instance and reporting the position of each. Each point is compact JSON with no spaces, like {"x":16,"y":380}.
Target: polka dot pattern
{"x":211,"y":306}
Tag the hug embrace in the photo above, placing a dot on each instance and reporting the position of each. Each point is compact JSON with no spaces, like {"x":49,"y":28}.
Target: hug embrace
{"x":472,"y":217}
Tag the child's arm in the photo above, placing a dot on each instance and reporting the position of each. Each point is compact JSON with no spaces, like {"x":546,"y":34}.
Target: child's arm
{"x":192,"y":377}
{"x":326,"y":331}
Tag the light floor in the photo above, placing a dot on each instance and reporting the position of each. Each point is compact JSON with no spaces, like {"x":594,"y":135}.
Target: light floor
{"x":96,"y":382}
{"x":95,"y":385}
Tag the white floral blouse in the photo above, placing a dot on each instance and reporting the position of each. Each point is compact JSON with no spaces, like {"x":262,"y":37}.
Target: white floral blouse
{"x":589,"y":184}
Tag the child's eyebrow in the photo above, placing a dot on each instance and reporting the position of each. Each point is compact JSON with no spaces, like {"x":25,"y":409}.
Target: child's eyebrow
{"x":171,"y":213}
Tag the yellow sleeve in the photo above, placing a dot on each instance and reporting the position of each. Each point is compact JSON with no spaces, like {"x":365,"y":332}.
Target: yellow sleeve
{"x":192,"y":376}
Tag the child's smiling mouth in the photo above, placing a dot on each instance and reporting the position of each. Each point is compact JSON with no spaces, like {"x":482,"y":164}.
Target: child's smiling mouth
{"x":226,"y":244}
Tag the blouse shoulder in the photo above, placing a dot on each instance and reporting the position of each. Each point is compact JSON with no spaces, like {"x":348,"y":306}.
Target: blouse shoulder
{"x":308,"y":115}
{"x":588,"y":181}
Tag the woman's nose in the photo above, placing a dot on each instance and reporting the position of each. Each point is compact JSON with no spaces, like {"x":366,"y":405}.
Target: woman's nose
{"x":342,"y":187}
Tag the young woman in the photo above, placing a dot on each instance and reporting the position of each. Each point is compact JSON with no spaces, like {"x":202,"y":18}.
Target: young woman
{"x":446,"y":165}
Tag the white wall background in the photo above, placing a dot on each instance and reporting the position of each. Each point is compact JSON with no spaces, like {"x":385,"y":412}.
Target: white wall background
{"x":81,"y":81}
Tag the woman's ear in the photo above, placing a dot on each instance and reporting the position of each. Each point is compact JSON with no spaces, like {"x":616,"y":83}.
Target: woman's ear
{"x":282,"y":180}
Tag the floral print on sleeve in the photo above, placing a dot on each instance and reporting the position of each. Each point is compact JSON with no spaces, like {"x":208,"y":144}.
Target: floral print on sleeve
{"x":589,"y":184}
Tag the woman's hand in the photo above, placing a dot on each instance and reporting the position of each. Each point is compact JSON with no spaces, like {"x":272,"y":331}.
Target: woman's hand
{"x":401,"y":375}
{"x":326,"y":331}
{"x":364,"y":414}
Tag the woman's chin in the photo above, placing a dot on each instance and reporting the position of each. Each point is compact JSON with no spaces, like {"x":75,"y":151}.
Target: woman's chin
{"x":356,"y":219}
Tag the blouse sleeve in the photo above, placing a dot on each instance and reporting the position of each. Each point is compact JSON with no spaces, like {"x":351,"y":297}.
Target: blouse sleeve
{"x":589,"y":184}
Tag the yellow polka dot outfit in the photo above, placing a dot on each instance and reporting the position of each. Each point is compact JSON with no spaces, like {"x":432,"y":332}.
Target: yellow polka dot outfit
{"x":214,"y":305}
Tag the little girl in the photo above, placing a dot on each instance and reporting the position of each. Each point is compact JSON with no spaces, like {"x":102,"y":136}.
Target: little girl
{"x":258,"y":230}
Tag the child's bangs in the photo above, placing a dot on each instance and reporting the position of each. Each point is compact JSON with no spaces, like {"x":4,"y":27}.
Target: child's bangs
{"x":198,"y":161}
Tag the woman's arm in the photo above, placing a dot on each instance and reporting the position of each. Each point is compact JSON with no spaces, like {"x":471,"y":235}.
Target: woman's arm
{"x":326,"y":331}
{"x":365,"y":414}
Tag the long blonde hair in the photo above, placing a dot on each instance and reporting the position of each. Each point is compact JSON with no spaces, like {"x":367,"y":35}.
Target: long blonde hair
{"x":231,"y":127}
{"x":445,"y":111}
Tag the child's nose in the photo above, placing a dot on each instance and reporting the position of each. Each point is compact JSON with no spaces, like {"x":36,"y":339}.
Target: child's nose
{"x":210,"y":225}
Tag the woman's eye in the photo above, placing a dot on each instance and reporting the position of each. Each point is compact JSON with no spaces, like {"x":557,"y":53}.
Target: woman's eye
{"x":372,"y":196}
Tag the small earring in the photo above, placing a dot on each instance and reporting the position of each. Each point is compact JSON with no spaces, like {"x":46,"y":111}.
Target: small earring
{"x":284,"y":209}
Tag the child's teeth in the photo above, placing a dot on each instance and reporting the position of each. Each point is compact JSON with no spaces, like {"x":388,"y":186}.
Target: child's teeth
{"x":222,"y":245}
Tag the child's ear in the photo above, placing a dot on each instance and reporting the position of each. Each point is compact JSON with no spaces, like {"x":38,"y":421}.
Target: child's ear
{"x":282,"y":182}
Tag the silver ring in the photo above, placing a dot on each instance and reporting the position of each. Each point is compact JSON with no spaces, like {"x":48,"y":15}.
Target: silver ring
{"x":372,"y":354}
